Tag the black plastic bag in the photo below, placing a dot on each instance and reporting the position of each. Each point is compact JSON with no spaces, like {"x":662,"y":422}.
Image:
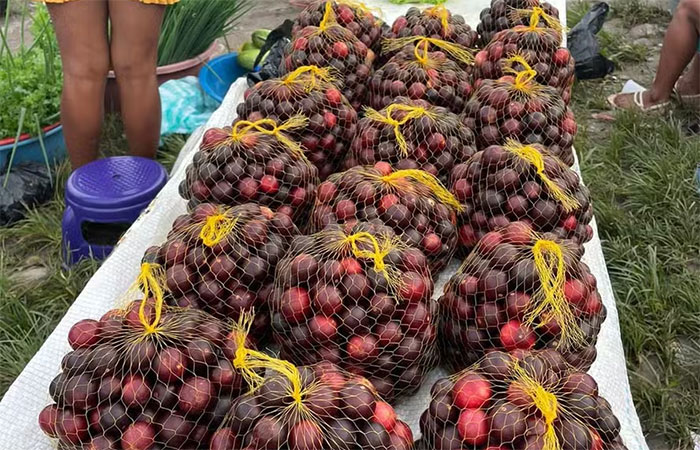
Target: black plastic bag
{"x":584,"y":47}
{"x":275,"y":43}
{"x":28,"y":184}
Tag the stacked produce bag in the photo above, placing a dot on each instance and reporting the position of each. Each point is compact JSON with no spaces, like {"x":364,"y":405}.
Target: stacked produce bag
{"x":295,"y":302}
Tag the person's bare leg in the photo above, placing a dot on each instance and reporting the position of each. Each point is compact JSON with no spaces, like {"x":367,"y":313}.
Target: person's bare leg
{"x":679,"y":47}
{"x":689,"y":83}
{"x":81,"y":30}
{"x":134,"y":51}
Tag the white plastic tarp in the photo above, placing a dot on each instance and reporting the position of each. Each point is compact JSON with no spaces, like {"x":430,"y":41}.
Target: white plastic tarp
{"x":29,"y":393}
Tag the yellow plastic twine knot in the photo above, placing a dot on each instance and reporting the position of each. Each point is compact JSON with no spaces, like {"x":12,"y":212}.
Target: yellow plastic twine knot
{"x":549,"y":301}
{"x":523,"y":78}
{"x":377,"y":253}
{"x":441,"y":13}
{"x":412,"y":112}
{"x":216,"y":228}
{"x":420,"y":51}
{"x":150,"y":280}
{"x":425,"y":179}
{"x":533,"y":156}
{"x":315,"y":75}
{"x":328,"y":17}
{"x":251,"y":362}
{"x":545,"y":401}
{"x":270,"y":128}
{"x":535,"y":14}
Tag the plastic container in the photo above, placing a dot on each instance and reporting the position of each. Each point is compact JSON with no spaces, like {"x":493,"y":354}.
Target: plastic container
{"x":218,"y":75}
{"x":29,"y":148}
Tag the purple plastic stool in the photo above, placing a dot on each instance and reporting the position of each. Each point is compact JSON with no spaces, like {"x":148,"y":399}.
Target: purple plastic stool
{"x":109,"y":193}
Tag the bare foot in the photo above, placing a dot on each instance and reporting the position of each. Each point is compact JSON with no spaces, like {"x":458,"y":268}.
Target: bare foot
{"x":626,"y":101}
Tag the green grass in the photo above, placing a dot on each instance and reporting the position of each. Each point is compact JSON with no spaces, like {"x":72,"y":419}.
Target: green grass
{"x":636,"y":12}
{"x":649,"y":221}
{"x":29,"y":311}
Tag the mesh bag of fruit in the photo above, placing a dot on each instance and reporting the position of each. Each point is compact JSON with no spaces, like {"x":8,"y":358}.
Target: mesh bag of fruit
{"x":412,"y":134}
{"x":441,"y":77}
{"x":330,"y":119}
{"x":539,"y":46}
{"x":517,"y":107}
{"x":222,"y":259}
{"x":361,"y":300}
{"x":517,"y":182}
{"x":532,"y":401}
{"x":252,"y":162}
{"x":502,"y":14}
{"x":520,"y":290}
{"x":331,"y":45}
{"x":145,"y":376}
{"x":355,"y":16}
{"x":316,"y":407}
{"x":412,"y":202}
{"x":436,"y":22}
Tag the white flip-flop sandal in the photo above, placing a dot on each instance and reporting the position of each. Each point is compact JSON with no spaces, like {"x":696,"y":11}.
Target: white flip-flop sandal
{"x":638,"y":99}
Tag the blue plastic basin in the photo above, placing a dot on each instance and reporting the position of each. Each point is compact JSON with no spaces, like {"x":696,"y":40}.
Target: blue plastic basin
{"x":30,"y":149}
{"x":218,"y":74}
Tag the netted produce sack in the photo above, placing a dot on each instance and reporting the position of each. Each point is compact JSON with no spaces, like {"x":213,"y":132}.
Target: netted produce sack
{"x":520,"y":290}
{"x":518,"y":107}
{"x":412,"y":134}
{"x":316,"y":407}
{"x":330,"y":119}
{"x":436,"y":22}
{"x":331,"y":45}
{"x":412,"y":202}
{"x":253,"y":161}
{"x":355,"y":16}
{"x":442,"y":77}
{"x":222,"y":260}
{"x":146,"y":376}
{"x":503,"y":14}
{"x":516,"y":182}
{"x":361,"y":300}
{"x":539,"y":46}
{"x":533,"y":401}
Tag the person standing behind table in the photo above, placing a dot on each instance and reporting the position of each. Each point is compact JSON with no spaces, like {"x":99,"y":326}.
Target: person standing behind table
{"x":88,"y":51}
{"x":681,"y":47}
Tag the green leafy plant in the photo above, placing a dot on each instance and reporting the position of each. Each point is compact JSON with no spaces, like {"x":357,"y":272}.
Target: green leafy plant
{"x":191,"y":26}
{"x":30,"y":78}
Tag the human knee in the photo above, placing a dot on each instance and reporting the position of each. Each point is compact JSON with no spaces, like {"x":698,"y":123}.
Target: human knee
{"x":93,"y":69}
{"x":690,"y":8}
{"x":133,"y":66}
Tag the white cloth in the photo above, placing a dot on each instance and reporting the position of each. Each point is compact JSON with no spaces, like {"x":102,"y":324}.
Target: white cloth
{"x":21,"y":404}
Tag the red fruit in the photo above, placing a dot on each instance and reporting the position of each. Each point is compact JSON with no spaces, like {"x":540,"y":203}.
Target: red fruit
{"x":295,"y":304}
{"x":385,"y":415}
{"x":340,"y":50}
{"x":47,"y":420}
{"x":404,"y":432}
{"x":517,"y":304}
{"x":323,"y":328}
{"x":386,"y":202}
{"x":596,"y":441}
{"x":383,"y":167}
{"x":462,"y":190}
{"x":195,"y":395}
{"x":362,"y":348}
{"x":329,"y":119}
{"x":570,"y":223}
{"x":518,"y":233}
{"x":248,"y":187}
{"x":300,"y":43}
{"x":269,"y":184}
{"x":413,"y":287}
{"x":170,"y":364}
{"x":333,"y":96}
{"x":561,"y":57}
{"x":515,"y":335}
{"x":328,"y":300}
{"x":84,"y":334}
{"x":306,"y":435}
{"x":568,"y":125}
{"x":467,"y":236}
{"x":344,"y":14}
{"x":297,"y":197}
{"x":416,"y":90}
{"x":593,"y":304}
{"x":139,"y":436}
{"x":213,"y":137}
{"x":345,"y":210}
{"x":351,"y":266}
{"x":223,"y":439}
{"x":480,"y":58}
{"x":489,"y":242}
{"x":471,"y":391}
{"x":135,"y":391}
{"x":575,"y":291}
{"x":432,"y":244}
{"x":399,"y":24}
{"x":71,"y":428}
{"x":473,"y":427}
{"x":517,"y":395}
{"x":326,"y":191}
